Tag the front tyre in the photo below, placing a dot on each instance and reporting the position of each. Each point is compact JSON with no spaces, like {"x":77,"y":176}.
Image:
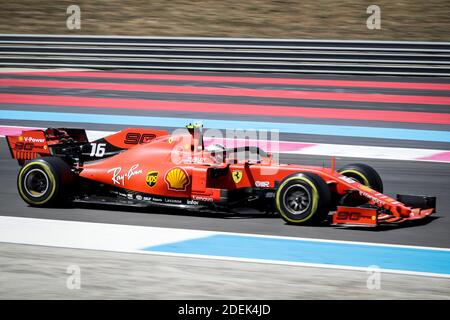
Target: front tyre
{"x":44,"y":182}
{"x":303,"y":198}
{"x":364,"y":174}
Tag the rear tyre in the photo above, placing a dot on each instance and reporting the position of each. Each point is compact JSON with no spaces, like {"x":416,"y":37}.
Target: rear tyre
{"x":45,"y":182}
{"x":303,"y":198}
{"x":364,"y":174}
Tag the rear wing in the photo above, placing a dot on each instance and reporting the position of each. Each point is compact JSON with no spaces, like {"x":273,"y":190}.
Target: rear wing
{"x":37,"y":143}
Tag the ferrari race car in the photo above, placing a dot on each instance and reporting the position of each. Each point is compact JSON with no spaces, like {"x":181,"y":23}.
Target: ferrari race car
{"x":146,"y":167}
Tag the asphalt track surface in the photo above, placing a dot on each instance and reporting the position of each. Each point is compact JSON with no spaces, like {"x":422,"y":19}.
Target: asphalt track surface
{"x":409,"y":177}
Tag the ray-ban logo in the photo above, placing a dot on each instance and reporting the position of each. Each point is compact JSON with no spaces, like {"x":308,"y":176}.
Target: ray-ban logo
{"x":119,"y":177}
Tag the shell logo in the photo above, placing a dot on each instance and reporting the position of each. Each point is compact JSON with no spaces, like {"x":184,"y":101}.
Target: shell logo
{"x":177,"y":179}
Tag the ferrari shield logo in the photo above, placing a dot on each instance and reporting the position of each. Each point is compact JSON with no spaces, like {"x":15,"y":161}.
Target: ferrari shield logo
{"x":237,"y":176}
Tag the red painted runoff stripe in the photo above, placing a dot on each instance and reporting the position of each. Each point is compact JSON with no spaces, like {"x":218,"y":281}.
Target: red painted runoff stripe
{"x":221,"y":108}
{"x":253,"y":80}
{"x":290,"y":94}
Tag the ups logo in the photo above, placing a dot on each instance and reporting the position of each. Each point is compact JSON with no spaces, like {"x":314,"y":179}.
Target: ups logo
{"x":152,"y":178}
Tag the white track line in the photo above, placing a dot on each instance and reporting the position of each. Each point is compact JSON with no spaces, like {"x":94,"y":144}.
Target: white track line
{"x":371,"y":152}
{"x":89,"y":235}
{"x":16,"y":70}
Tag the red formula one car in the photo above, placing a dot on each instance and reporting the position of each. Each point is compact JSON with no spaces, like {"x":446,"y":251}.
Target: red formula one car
{"x":143,"y":167}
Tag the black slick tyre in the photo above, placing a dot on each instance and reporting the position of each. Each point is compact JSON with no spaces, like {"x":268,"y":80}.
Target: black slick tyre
{"x":364,"y":174}
{"x":45,"y":182}
{"x":303,"y":198}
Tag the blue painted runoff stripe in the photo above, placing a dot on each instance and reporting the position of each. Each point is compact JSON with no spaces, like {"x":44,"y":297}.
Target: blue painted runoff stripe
{"x":314,"y":252}
{"x":297,"y":128}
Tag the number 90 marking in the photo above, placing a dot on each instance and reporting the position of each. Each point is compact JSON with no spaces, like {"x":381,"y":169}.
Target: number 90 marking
{"x":137,"y":138}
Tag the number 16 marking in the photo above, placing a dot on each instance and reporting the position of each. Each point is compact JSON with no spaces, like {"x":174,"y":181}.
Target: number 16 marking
{"x":98,"y":150}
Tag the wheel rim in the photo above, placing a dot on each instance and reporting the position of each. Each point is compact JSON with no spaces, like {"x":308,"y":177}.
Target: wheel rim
{"x":297,"y":199}
{"x":36,"y":183}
